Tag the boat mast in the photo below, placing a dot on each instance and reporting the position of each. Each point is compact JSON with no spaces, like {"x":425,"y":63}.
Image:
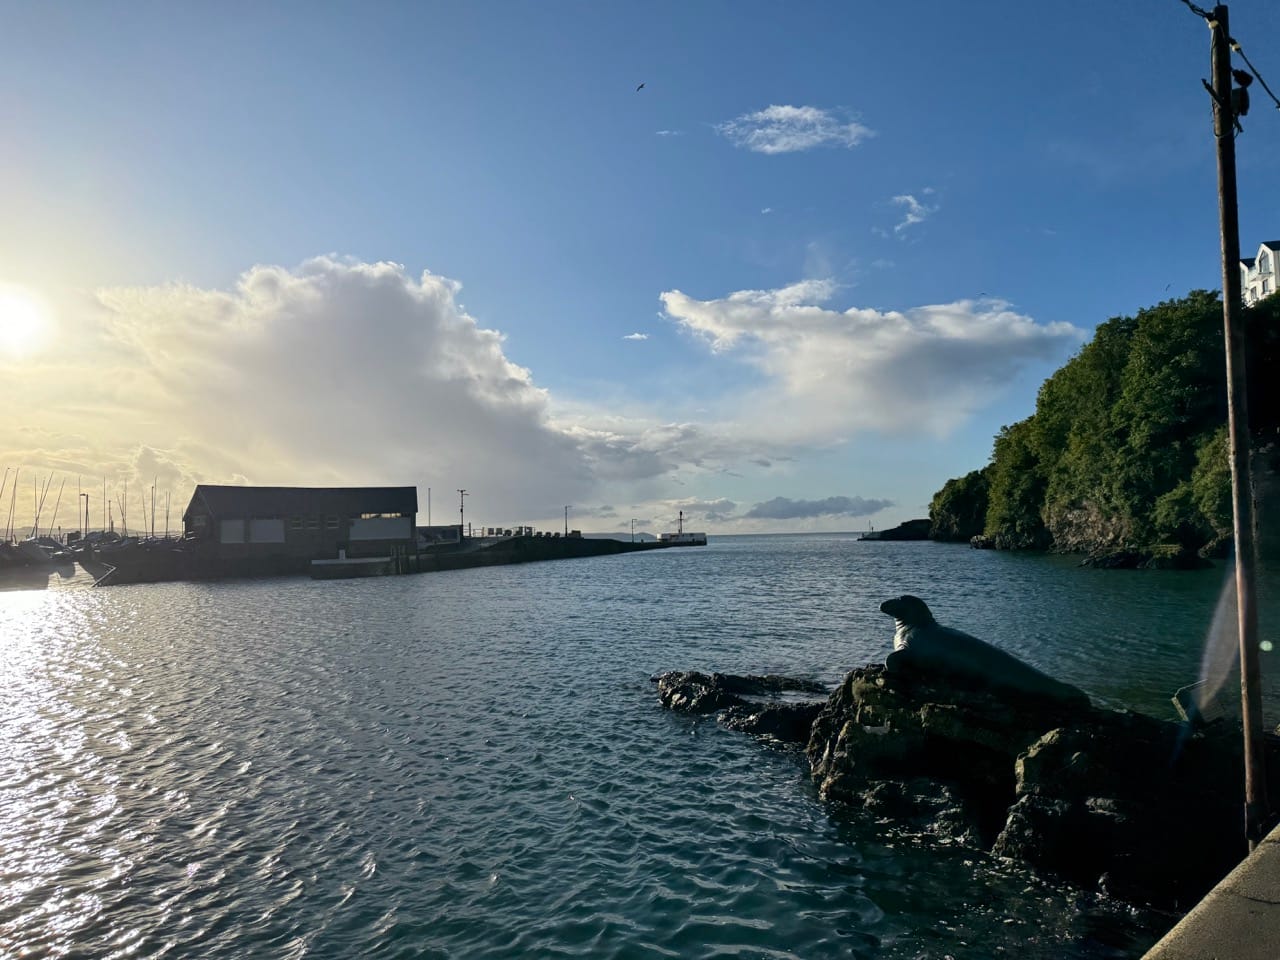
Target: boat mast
{"x":57,"y":503}
{"x":13,"y":502}
{"x":44,"y":495}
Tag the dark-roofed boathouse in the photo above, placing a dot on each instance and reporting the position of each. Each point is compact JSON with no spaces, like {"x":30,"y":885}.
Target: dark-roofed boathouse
{"x":285,"y":528}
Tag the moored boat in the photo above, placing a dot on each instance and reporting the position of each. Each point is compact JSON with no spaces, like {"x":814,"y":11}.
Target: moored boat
{"x":681,"y":538}
{"x":344,"y":567}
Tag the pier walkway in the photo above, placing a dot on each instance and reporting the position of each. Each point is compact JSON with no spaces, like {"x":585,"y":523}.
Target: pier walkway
{"x":1240,"y":917}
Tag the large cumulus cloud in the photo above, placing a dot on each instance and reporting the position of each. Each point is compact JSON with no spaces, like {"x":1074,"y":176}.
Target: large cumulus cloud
{"x":334,"y":372}
{"x":828,"y":373}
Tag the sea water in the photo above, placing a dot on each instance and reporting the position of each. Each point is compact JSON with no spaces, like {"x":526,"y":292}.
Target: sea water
{"x":475,"y":764}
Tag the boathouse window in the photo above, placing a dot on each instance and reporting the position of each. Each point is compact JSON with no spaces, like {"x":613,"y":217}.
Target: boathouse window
{"x":313,"y":523}
{"x":331,"y":522}
{"x":295,"y":523}
{"x":380,"y":516}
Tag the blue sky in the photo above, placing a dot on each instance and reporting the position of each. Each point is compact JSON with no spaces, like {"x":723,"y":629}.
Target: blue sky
{"x":797,"y":281}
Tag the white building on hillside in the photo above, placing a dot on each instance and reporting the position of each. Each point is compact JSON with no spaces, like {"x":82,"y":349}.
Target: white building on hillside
{"x":1258,"y":275}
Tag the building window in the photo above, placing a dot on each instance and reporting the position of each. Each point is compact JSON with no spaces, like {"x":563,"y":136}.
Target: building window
{"x":1264,"y":262}
{"x":1266,"y":286}
{"x":331,"y":522}
{"x":313,"y":523}
{"x":295,"y":523}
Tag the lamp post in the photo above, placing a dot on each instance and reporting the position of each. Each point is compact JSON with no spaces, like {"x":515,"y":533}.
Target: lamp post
{"x":633,"y":529}
{"x":462,"y":500}
{"x":566,"y":521}
{"x":85,"y":498}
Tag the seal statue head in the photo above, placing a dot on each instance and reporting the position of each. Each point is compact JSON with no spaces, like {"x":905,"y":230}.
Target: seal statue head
{"x":908,"y":610}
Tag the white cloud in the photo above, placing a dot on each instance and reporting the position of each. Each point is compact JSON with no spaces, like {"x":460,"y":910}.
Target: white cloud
{"x":827,"y":374}
{"x":334,"y":372}
{"x":916,"y":210}
{"x":636,"y":336}
{"x":766,"y":210}
{"x":339,"y":371}
{"x":670,"y":133}
{"x":788,"y":129}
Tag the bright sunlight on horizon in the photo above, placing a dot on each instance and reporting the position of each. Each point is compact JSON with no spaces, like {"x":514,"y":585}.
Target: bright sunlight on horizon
{"x":26,"y":325}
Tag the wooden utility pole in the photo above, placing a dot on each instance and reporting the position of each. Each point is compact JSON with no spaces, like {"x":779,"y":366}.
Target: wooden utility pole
{"x":1256,"y":810}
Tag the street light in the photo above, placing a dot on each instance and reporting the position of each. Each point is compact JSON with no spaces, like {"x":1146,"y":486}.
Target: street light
{"x":566,"y":521}
{"x":633,"y":529}
{"x":462,"y":525}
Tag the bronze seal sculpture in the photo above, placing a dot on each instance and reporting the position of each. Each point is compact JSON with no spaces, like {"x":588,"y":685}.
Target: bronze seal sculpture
{"x":921,"y":643}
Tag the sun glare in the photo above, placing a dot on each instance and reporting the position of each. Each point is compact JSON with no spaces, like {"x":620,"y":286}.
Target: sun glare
{"x":24,"y":322}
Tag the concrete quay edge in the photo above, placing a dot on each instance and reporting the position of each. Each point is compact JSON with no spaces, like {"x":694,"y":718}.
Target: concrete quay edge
{"x":1239,"y":919}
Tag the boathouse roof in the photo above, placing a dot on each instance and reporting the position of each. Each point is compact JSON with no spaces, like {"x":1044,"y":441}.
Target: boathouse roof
{"x":235,"y":501}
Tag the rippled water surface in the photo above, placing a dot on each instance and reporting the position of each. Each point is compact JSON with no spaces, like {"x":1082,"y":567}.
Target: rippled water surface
{"x":474,"y":764}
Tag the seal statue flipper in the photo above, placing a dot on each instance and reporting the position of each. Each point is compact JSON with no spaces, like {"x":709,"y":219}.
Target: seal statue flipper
{"x":919,"y":640}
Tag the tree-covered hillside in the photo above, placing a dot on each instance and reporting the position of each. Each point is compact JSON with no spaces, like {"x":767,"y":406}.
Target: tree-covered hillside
{"x":1127,"y":448}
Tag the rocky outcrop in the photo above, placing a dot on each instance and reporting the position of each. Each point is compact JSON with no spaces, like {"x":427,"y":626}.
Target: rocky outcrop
{"x":908,"y":530}
{"x":788,"y":722}
{"x":1087,"y":528}
{"x":1146,"y":809}
{"x":748,"y":703}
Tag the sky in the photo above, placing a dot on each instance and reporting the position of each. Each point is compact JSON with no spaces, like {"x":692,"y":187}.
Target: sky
{"x":794,"y":282}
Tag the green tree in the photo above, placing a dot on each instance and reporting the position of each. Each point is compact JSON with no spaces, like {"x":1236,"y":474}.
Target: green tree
{"x":1077,"y":439}
{"x":1126,"y":448}
{"x":1017,"y":491}
{"x":1211,"y":484}
{"x":1173,"y":392}
{"x":959,"y":510}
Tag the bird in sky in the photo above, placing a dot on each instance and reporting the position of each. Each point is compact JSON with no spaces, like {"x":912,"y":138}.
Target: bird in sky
{"x":639,"y":88}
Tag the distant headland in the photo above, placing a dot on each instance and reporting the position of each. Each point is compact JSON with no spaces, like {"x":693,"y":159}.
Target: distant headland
{"x":1125,"y":459}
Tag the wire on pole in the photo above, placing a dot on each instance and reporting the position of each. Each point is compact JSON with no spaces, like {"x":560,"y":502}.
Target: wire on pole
{"x":1235,"y":46}
{"x":1198,"y":11}
{"x":1212,"y":21}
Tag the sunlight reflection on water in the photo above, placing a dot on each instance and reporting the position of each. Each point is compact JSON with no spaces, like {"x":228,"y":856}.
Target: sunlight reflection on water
{"x":473,"y":763}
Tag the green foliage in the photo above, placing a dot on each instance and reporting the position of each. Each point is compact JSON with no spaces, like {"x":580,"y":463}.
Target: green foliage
{"x":1075,"y":436}
{"x":1211,"y":483}
{"x":1017,"y":490}
{"x":959,"y":510}
{"x":1126,"y":449}
{"x":1176,"y":520}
